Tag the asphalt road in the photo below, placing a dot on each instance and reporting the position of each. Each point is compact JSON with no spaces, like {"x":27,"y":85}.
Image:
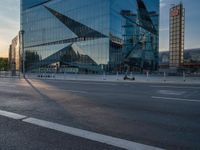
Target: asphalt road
{"x":161,"y":115}
{"x":16,"y":135}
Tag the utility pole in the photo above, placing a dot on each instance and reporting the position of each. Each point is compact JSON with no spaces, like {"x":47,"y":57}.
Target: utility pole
{"x":23,"y":52}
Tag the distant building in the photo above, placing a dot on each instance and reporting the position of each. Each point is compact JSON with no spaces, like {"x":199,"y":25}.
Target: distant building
{"x":14,"y":55}
{"x":177,"y":31}
{"x":191,"y":60}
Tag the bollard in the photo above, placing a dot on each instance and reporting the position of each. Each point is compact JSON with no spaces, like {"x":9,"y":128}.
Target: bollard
{"x":117,"y":76}
{"x":184,"y":77}
{"x":164,"y":76}
{"x":147,"y":75}
{"x":104,"y":76}
{"x":131,"y":75}
{"x":64,"y":75}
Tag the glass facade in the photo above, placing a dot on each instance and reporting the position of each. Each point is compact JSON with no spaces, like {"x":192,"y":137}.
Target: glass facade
{"x":90,"y":36}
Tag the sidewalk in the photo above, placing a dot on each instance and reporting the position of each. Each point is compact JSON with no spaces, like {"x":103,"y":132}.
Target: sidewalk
{"x":117,"y":78}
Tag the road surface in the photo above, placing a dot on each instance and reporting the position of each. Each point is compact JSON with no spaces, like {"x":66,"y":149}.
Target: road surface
{"x":157,"y":115}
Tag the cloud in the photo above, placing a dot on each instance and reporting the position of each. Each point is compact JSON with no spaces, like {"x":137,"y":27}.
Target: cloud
{"x":162,"y":4}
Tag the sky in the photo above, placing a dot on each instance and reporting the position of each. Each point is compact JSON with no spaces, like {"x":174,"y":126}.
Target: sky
{"x":9,"y":23}
{"x":192,"y":24}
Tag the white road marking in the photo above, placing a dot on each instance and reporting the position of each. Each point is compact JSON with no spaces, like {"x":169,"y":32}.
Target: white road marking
{"x":73,"y":91}
{"x":117,"y":142}
{"x":169,"y":92}
{"x":64,"y":90}
{"x":176,"y":99}
{"x":87,"y":82}
{"x":7,"y":85}
{"x":11,"y":115}
{"x":93,"y":82}
{"x":176,"y":87}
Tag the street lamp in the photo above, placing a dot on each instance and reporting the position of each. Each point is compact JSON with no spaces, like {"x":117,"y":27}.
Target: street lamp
{"x":23,"y":52}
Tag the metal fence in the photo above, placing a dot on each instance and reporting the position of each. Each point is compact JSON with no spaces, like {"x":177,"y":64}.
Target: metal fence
{"x":10,"y":74}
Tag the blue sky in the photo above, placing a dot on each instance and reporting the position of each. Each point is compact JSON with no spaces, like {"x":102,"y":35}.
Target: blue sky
{"x":9,"y":25}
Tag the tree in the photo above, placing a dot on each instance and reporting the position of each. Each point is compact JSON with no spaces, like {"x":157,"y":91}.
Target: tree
{"x":3,"y":64}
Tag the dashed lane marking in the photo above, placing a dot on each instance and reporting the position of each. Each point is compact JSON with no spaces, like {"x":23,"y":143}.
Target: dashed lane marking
{"x":176,"y":99}
{"x":176,"y":87}
{"x":170,"y":92}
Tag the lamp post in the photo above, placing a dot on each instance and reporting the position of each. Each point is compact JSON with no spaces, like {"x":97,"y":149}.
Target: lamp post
{"x":23,"y":52}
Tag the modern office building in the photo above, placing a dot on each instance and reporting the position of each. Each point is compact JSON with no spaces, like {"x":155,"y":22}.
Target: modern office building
{"x":90,"y":36}
{"x":177,"y":31}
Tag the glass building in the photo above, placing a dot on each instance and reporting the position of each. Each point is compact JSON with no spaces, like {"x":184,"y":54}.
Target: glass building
{"x":90,"y":36}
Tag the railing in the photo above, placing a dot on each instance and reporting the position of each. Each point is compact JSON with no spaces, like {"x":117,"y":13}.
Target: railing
{"x":133,"y":77}
{"x":10,"y":74}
